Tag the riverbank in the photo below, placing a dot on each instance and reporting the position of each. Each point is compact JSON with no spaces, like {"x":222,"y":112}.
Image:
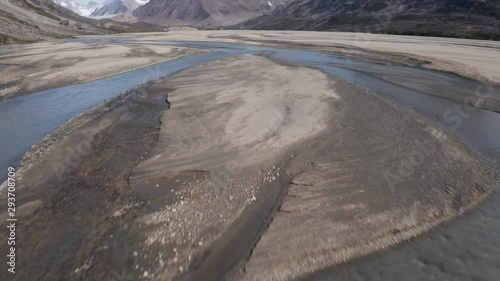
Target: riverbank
{"x":73,"y":194}
{"x":35,"y":67}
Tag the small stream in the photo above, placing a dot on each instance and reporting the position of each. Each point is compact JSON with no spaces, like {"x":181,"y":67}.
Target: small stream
{"x":465,"y":249}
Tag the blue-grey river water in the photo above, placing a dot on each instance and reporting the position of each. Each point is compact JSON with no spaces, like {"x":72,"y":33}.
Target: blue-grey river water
{"x":466,"y":249}
{"x":27,"y":119}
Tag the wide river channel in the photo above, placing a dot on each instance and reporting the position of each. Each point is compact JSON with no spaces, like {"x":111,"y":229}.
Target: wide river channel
{"x":465,"y":249}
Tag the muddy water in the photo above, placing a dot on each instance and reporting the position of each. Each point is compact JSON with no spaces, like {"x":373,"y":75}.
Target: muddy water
{"x":467,"y":249}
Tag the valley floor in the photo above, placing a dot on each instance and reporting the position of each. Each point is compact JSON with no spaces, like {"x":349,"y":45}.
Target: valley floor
{"x":476,"y":59}
{"x":246,"y":168}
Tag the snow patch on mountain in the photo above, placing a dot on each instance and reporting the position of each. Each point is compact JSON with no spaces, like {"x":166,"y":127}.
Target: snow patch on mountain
{"x":77,"y":7}
{"x":117,"y":7}
{"x":113,"y":7}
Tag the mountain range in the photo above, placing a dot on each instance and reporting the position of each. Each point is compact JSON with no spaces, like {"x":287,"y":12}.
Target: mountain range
{"x":478,"y":19}
{"x":32,"y":20}
{"x":26,"y":20}
{"x":77,"y":7}
{"x":203,"y":13}
{"x":116,"y":7}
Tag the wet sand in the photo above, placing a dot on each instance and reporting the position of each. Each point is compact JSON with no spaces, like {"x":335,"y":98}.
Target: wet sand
{"x":259,"y":170}
{"x":35,"y":67}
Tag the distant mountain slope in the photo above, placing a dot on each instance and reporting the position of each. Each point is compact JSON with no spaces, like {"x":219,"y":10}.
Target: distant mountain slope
{"x":28,"y":20}
{"x":92,"y":4}
{"x":116,"y":7}
{"x":456,"y":18}
{"x":81,"y":9}
{"x":203,"y":13}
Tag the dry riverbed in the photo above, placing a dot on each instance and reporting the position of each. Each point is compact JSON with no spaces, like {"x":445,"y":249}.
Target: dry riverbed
{"x":258,"y":171}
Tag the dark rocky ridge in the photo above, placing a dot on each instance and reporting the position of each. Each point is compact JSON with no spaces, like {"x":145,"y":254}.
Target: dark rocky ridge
{"x":32,"y":20}
{"x":477,"y":19}
{"x":203,"y":13}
